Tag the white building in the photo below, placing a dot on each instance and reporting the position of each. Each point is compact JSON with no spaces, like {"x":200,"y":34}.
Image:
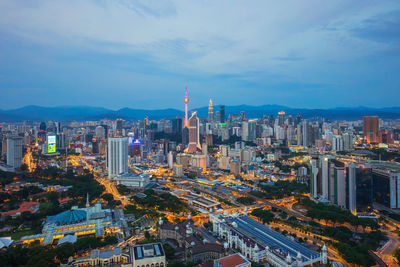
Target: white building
{"x":337,"y":143}
{"x":117,"y":156}
{"x":133,"y":179}
{"x":14,"y":151}
{"x":258,"y":242}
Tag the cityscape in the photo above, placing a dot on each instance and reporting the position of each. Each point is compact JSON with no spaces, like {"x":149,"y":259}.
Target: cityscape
{"x":199,"y":134}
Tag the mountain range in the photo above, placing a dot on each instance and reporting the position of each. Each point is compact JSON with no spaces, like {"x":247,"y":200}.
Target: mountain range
{"x":68,"y":113}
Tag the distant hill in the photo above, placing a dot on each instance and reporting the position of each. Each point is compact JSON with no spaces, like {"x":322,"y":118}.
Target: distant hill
{"x":68,"y":113}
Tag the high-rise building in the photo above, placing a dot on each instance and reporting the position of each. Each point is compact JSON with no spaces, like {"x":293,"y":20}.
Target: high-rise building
{"x":118,"y":127}
{"x":222,"y":113}
{"x":337,"y":143}
{"x":176,"y":125}
{"x":42,"y":126}
{"x":281,"y":118}
{"x":100,"y":132}
{"x":371,"y":129}
{"x":297,"y":120}
{"x":14,"y":151}
{"x":194,"y":134}
{"x":242,"y":115}
{"x":210,"y":111}
{"x":348,"y":142}
{"x":117,"y":156}
{"x":386,"y":187}
{"x":359,"y":179}
{"x":305,"y":133}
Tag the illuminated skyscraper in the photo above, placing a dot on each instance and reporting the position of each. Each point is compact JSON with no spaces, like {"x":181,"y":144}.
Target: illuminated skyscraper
{"x":371,"y":129}
{"x":281,"y":119}
{"x":14,"y":151}
{"x":118,"y":127}
{"x":117,"y":156}
{"x":194,"y":134}
{"x":210,"y":111}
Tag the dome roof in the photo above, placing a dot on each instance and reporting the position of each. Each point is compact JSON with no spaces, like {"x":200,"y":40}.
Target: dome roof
{"x":70,"y":216}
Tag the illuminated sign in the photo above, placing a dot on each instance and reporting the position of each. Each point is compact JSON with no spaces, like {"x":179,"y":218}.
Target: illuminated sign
{"x":51,"y":144}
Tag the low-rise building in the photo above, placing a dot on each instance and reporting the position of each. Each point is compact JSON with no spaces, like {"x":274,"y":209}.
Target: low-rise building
{"x":133,"y":179}
{"x":194,"y":249}
{"x":196,"y":200}
{"x":259,"y":243}
{"x":234,"y":260}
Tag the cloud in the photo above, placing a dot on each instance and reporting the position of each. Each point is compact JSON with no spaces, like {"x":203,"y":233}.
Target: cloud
{"x":383,"y":28}
{"x":258,"y":45}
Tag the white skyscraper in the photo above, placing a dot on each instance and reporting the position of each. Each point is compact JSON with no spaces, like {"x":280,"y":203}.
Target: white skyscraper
{"x":348,"y":142}
{"x":117,"y":156}
{"x":14,"y":151}
{"x":337,"y":143}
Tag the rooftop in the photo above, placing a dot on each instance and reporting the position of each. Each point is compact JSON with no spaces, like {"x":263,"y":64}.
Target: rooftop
{"x":231,"y":260}
{"x":271,"y":238}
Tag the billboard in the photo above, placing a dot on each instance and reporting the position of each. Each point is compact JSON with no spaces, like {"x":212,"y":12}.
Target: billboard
{"x":51,"y":144}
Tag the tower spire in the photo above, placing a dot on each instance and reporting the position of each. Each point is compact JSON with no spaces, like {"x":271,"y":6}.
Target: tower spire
{"x":186,"y":100}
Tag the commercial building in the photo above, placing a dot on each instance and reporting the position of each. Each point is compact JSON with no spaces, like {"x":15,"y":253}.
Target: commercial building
{"x":196,"y":200}
{"x":144,"y":255}
{"x":371,"y":129}
{"x":132,"y":256}
{"x":134,"y":180}
{"x":222,"y":113}
{"x":386,"y":187}
{"x":281,"y":118}
{"x":259,"y":243}
{"x":117,"y":156}
{"x":14,"y":151}
{"x":194,"y":134}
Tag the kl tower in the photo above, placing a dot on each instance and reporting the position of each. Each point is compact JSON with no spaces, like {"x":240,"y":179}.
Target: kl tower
{"x":186,"y":122}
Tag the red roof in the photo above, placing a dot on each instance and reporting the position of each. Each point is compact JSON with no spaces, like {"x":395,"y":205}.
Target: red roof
{"x":231,"y":260}
{"x":25,"y":206}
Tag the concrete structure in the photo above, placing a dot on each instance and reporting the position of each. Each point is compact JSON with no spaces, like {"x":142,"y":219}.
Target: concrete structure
{"x":144,"y":256}
{"x":194,"y":134}
{"x":178,"y":170}
{"x":14,"y":151}
{"x":134,"y":180}
{"x":386,"y":187}
{"x":234,"y":260}
{"x":117,"y":156}
{"x":196,"y":200}
{"x":337,"y":143}
{"x":371,"y":129}
{"x":258,"y":242}
{"x":193,"y":248}
{"x":141,"y":255}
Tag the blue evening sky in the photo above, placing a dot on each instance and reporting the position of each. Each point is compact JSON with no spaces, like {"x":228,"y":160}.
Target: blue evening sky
{"x":142,"y":54}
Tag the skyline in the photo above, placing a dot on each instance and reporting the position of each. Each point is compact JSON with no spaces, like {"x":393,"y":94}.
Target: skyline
{"x":143,"y":54}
